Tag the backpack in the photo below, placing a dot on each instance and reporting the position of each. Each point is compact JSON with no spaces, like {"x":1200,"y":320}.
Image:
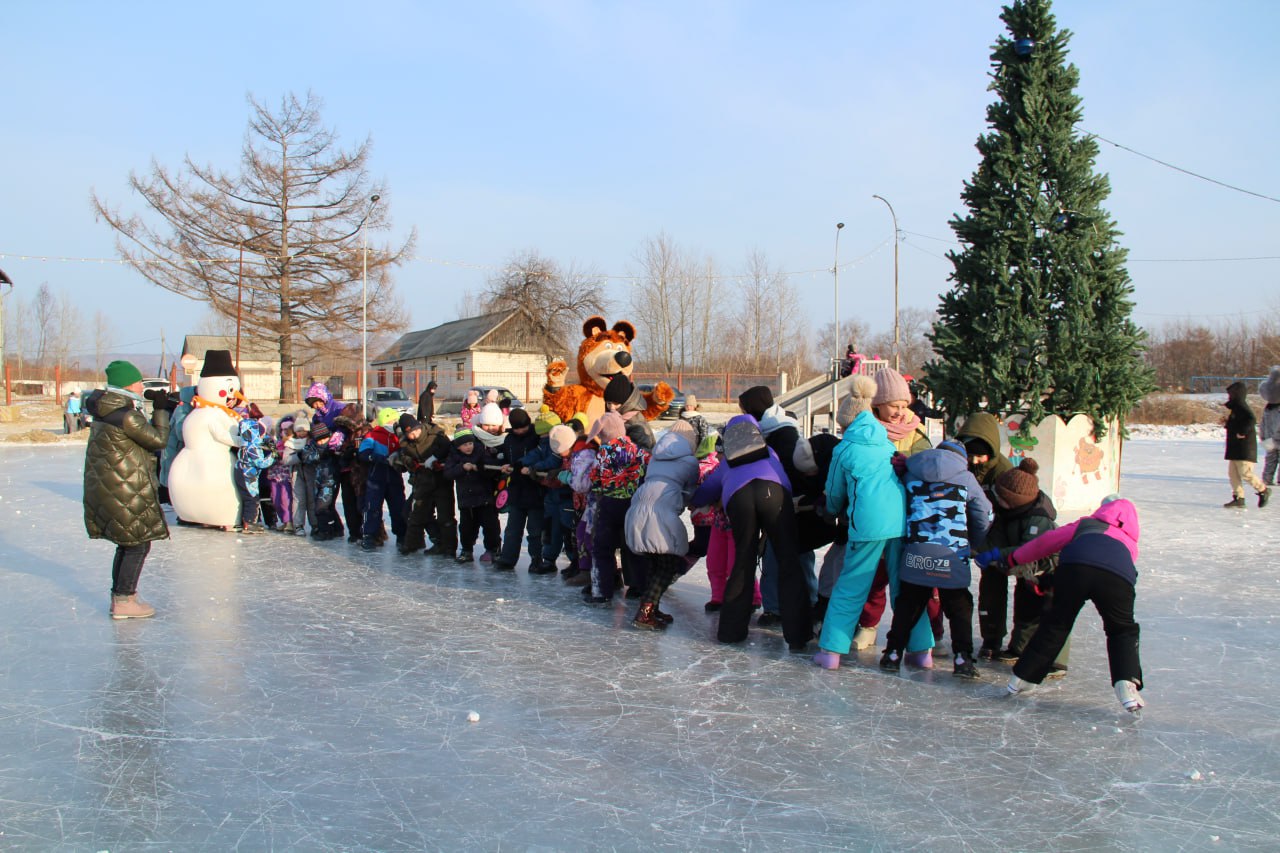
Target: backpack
{"x":743,"y":443}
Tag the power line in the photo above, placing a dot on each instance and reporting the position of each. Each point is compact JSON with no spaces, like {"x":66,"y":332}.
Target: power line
{"x":1184,"y":171}
{"x":1131,"y":260}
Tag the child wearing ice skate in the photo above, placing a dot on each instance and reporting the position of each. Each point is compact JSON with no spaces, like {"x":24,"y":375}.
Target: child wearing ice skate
{"x":653,"y":524}
{"x":615,"y":476}
{"x":1022,"y":512}
{"x":473,"y":470}
{"x":1096,"y":562}
{"x":946,"y":511}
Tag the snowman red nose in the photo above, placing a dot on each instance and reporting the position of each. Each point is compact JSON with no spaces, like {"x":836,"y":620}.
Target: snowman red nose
{"x":222,"y":393}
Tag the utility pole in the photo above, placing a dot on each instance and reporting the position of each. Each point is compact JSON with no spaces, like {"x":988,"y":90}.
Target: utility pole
{"x":161,"y":371}
{"x":4,"y":279}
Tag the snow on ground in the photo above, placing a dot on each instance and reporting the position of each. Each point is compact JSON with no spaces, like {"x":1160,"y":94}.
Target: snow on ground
{"x":293,"y":695}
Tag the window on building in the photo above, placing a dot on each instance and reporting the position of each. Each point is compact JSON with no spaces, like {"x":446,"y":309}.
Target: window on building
{"x":433,"y":373}
{"x":382,"y":376}
{"x":397,"y":376}
{"x":461,"y":377}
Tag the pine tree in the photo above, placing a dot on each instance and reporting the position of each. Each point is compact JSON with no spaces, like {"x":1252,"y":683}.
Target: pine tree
{"x":1038,"y":318}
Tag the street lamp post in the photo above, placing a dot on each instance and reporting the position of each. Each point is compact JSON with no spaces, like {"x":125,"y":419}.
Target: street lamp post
{"x":835,"y":278}
{"x":897,"y":344}
{"x":364,"y":305}
{"x":4,"y":279}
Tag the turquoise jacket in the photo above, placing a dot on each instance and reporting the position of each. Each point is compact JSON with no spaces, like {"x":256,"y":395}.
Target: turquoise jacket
{"x":863,"y":483}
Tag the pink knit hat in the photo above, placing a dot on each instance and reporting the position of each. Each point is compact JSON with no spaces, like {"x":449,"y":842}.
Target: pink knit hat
{"x":890,"y":386}
{"x":607,"y":427}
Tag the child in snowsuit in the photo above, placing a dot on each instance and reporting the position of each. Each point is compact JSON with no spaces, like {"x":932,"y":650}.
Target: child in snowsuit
{"x":385,"y":483}
{"x":524,"y":496}
{"x":328,"y":438}
{"x":470,"y":408}
{"x":466,"y":467}
{"x":352,"y":473}
{"x":546,"y":463}
{"x":301,"y":455}
{"x":582,"y":458}
{"x":1269,"y":390}
{"x":1096,"y":562}
{"x":252,"y":458}
{"x":1022,"y":512}
{"x":653,"y":521}
{"x":1242,"y":448}
{"x":615,"y":476}
{"x":280,"y":477}
{"x":946,"y":511}
{"x":424,"y":447}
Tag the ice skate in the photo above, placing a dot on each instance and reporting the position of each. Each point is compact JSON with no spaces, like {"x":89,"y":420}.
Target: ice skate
{"x":964,"y":668}
{"x":1017,"y":685}
{"x":1127,"y":693}
{"x":864,"y":638}
{"x":891,"y":661}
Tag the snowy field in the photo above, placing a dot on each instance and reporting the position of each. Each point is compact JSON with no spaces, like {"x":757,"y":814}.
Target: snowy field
{"x":300,"y":696}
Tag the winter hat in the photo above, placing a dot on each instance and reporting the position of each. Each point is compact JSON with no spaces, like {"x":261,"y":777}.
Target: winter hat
{"x":690,"y":402}
{"x":861,"y":392}
{"x":122,"y":374}
{"x":302,"y":424}
{"x":1269,"y":388}
{"x":519,"y":418}
{"x":618,"y":390}
{"x":890,"y":386}
{"x":755,"y":400}
{"x":607,"y":427}
{"x":472,"y":398}
{"x":580,"y":423}
{"x":685,"y":430}
{"x":318,"y":392}
{"x":955,"y":447}
{"x":217,"y":362}
{"x":463,"y":436}
{"x":491,"y":396}
{"x":490,"y":415}
{"x":1019,"y":486}
{"x":386,"y":417}
{"x":547,"y":420}
{"x":561,"y":438}
{"x":407,"y":422}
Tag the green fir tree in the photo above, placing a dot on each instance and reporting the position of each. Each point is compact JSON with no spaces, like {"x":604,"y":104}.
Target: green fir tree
{"x":1038,"y":318}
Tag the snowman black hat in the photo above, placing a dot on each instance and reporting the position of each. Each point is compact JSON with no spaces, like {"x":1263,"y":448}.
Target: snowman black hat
{"x":217,"y":362}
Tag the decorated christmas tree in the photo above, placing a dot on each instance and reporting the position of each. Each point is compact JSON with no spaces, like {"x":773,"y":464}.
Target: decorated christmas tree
{"x":1038,"y":318}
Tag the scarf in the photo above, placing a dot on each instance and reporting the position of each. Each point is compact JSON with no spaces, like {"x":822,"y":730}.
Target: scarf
{"x":488,"y":439}
{"x":903,"y":428}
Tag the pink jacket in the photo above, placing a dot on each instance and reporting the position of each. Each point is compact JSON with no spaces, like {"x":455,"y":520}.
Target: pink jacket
{"x":1120,"y":515}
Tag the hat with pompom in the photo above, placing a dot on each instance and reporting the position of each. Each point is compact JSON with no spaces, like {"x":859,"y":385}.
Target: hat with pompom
{"x":561,"y":439}
{"x":861,"y":392}
{"x":1019,"y":486}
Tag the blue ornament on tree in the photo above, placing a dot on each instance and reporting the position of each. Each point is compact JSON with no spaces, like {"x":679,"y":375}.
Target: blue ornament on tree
{"x":1023,"y":47}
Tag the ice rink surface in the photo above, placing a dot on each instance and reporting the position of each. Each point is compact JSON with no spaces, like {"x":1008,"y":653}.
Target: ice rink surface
{"x":293,"y":695}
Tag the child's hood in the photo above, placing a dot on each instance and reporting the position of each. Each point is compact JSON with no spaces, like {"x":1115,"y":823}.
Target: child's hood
{"x":937,"y":466}
{"x":865,"y":429}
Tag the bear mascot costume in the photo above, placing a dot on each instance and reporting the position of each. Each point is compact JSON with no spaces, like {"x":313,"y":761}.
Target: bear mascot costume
{"x":603,"y":353}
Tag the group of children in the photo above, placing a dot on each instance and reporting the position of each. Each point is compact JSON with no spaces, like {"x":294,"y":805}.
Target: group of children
{"x":904,"y":520}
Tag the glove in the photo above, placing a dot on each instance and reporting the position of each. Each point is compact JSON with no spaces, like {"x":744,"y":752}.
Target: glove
{"x":986,"y":558}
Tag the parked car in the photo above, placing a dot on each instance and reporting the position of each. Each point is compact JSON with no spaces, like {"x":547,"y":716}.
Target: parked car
{"x":376,"y":399}
{"x":677,"y":402}
{"x":482,"y":390}
{"x":152,"y":384}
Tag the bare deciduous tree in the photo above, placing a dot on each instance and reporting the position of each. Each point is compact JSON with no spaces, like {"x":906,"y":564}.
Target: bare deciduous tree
{"x":298,"y":210}
{"x":104,"y":335}
{"x":557,"y":300}
{"x":44,"y":310}
{"x":68,"y":329}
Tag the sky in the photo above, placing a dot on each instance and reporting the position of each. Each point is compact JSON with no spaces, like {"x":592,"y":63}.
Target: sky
{"x":581,"y":130}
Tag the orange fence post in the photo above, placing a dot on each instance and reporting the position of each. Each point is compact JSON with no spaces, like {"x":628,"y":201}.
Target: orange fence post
{"x":8,"y":385}
{"x":526,"y":385}
{"x":726,"y":387}
{"x":57,"y":384}
{"x":417,"y":383}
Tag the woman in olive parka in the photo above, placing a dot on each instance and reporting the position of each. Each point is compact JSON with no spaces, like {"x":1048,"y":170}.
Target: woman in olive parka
{"x":121,"y":503}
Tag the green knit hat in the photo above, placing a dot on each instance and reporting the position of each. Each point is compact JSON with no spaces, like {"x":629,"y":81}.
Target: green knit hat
{"x":546,"y":420}
{"x":122,"y":374}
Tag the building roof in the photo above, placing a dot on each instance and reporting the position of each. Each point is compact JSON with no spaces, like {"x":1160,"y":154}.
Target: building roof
{"x":251,"y":349}
{"x":455,"y":336}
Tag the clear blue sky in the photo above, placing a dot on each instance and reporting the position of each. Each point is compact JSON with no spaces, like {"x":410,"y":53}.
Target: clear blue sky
{"x":581,"y":129}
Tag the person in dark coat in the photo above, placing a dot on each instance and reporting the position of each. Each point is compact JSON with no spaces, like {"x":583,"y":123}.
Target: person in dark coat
{"x":427,"y":403}
{"x":1242,"y":448}
{"x":473,"y":469}
{"x":424,"y":447}
{"x":121,"y":503}
{"x":524,"y":496}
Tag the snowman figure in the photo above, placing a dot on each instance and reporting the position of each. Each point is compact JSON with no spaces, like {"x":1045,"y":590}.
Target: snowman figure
{"x":201,"y":480}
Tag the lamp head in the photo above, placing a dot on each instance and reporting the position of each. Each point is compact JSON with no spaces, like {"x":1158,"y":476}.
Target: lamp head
{"x":839,"y":225}
{"x":373,"y":199}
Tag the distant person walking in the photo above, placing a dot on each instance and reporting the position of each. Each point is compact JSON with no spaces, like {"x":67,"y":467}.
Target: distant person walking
{"x":121,"y":503}
{"x":71,"y":416}
{"x":1269,"y":432}
{"x":1242,"y":448}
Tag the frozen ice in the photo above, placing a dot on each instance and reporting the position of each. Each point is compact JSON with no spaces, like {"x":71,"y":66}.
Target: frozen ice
{"x":293,"y":695}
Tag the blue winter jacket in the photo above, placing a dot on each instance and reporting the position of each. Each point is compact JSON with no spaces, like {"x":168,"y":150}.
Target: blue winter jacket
{"x":862,"y":482}
{"x":947,"y":514}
